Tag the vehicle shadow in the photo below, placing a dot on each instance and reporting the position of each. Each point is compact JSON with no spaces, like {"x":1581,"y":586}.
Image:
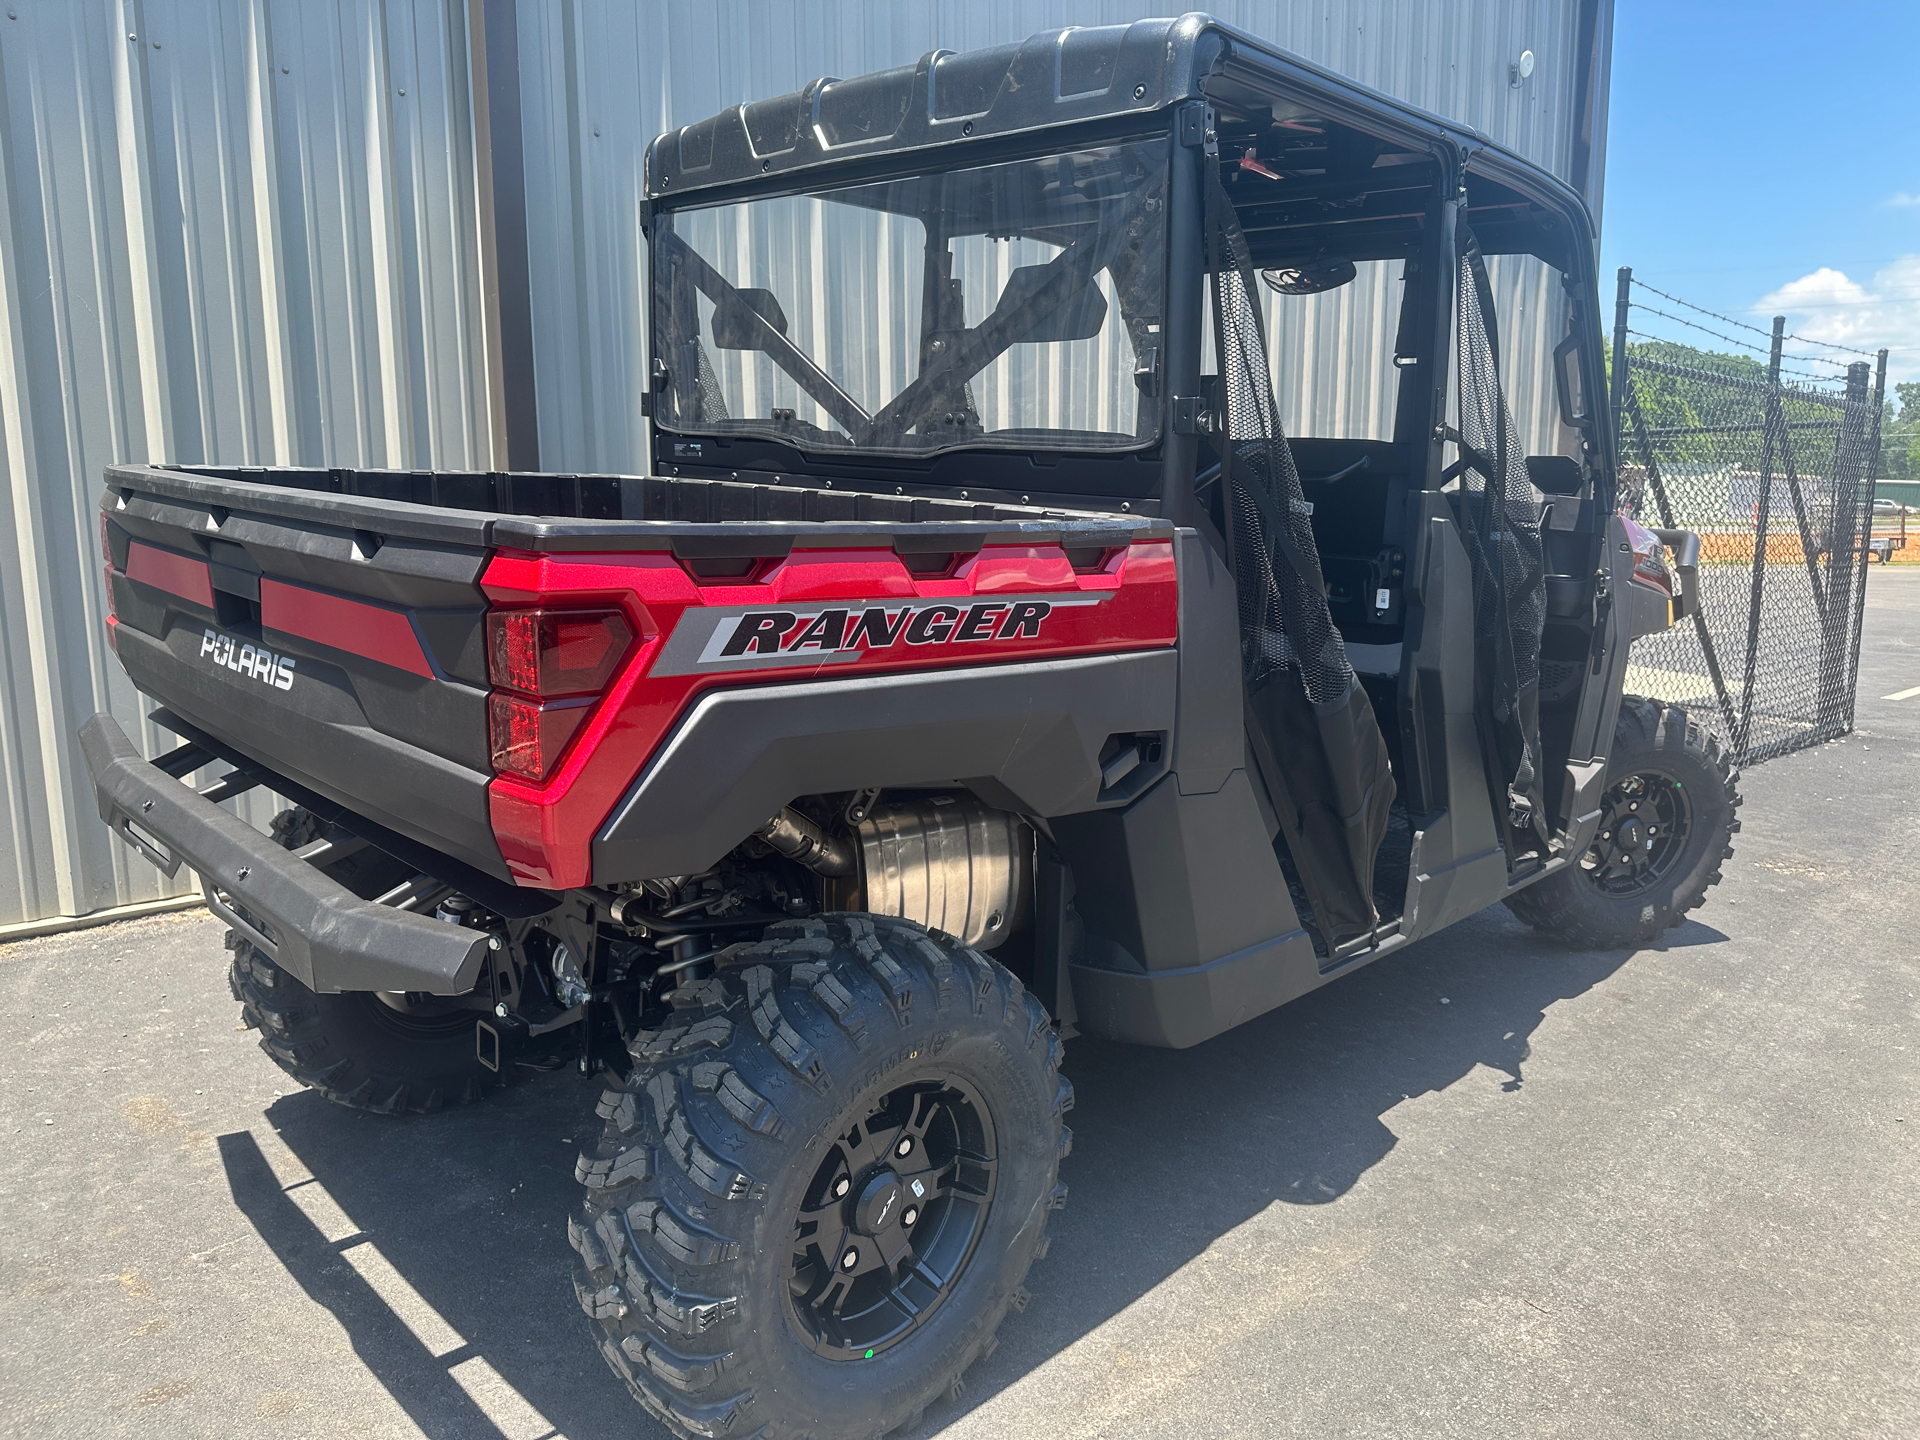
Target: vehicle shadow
{"x":1172,"y":1149}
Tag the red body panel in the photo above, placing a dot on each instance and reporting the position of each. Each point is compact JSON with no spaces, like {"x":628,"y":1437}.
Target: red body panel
{"x":180,"y":575}
{"x":816,"y":614}
{"x":351,"y":625}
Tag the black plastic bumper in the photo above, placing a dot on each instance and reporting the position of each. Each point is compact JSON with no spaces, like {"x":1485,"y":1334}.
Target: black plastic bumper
{"x":313,"y":927}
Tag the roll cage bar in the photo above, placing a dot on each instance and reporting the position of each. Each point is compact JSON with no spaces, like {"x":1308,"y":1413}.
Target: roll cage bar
{"x":1207,"y":84}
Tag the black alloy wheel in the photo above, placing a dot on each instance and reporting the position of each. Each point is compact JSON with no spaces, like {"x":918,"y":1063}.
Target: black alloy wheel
{"x":822,"y":1184}
{"x":1645,"y":819}
{"x":891,"y":1219}
{"x":1667,"y":822}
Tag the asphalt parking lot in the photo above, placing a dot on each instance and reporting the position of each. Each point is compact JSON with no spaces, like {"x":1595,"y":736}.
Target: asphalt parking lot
{"x":1486,"y":1188}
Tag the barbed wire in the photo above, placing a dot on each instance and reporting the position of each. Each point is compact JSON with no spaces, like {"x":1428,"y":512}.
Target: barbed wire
{"x":1784,"y":369}
{"x":1728,"y":319}
{"x":1695,"y":325}
{"x":1734,"y":339}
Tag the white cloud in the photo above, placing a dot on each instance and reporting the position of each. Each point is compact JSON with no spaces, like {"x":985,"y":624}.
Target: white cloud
{"x":1829,"y":305}
{"x":1902,"y":200}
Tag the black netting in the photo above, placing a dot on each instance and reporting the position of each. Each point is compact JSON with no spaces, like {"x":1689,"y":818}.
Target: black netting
{"x":1310,"y":724}
{"x":1284,"y":619}
{"x":713,"y":402}
{"x":1499,"y":512}
{"x":1771,"y":464}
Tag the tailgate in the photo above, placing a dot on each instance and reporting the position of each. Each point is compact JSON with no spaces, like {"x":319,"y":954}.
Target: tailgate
{"x":338,"y":640}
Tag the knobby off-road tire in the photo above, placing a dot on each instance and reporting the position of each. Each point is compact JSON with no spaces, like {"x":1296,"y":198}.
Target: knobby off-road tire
{"x":356,"y":1049}
{"x":1663,"y":766}
{"x":769,"y":1115}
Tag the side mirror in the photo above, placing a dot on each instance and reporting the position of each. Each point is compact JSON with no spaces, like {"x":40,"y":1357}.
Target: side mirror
{"x":1079,"y":316}
{"x":1555,"y":474}
{"x":1311,"y":278}
{"x":736,"y":320}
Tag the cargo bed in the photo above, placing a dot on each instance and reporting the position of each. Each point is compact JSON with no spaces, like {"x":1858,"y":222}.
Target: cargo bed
{"x":332,"y":624}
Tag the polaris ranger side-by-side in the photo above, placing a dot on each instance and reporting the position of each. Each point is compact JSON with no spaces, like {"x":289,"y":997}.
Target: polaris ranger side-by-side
{"x":1097,"y":575}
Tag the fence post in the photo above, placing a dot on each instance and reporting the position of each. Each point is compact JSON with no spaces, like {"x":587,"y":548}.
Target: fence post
{"x":1622,"y":301}
{"x":1873,"y":493}
{"x":1859,"y":461}
{"x":1775,"y":418}
{"x":1851,"y":465}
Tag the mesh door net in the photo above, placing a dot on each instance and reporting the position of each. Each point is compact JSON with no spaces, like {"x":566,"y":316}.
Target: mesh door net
{"x":1499,"y":513}
{"x":1310,"y":725}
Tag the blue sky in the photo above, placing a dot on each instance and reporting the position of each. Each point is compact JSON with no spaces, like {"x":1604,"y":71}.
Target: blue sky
{"x":1764,"y":159}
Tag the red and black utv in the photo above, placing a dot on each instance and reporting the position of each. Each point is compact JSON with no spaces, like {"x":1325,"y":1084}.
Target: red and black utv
{"x":1107,"y":566}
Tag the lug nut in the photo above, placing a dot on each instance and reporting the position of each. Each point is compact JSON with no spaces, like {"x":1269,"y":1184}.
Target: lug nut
{"x":493,"y":942}
{"x":501,"y":1009}
{"x":841,"y":1186}
{"x":909,"y":1217}
{"x":850,"y":1259}
{"x":905,"y":1147}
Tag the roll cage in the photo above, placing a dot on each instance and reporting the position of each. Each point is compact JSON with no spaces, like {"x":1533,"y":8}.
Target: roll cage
{"x":1320,"y":173}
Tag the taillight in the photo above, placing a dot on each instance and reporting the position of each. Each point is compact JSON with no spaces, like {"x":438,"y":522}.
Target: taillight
{"x":529,"y":738}
{"x":113,"y":615}
{"x":553,"y":653}
{"x":1649,"y":557}
{"x":547,"y":667}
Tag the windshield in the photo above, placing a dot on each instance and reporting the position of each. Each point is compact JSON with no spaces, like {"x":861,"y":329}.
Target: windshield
{"x":1016,"y":305}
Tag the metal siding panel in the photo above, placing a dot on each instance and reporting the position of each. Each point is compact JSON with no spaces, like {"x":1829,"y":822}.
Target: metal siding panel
{"x":202,"y":257}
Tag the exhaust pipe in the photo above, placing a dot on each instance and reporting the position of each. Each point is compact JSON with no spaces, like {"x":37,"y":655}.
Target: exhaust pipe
{"x":798,"y":838}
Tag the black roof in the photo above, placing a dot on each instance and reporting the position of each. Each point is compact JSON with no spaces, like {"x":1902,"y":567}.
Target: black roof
{"x":1058,"y":77}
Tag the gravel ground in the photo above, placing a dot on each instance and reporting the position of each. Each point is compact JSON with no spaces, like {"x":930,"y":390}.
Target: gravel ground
{"x":1484,"y":1188}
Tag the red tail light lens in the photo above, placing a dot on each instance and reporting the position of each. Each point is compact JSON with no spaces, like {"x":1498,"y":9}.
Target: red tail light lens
{"x":555,"y":663}
{"x":529,"y":738}
{"x":1649,"y":557}
{"x":113,"y":615}
{"x":550,"y":653}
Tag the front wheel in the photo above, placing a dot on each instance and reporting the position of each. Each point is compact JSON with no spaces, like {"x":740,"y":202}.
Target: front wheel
{"x":1667,"y":822}
{"x":821,"y":1186}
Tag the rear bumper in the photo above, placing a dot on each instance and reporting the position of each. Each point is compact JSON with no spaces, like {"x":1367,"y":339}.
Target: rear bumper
{"x":313,"y":927}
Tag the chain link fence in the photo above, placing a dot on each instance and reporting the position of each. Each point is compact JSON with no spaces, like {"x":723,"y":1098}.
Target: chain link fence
{"x":1770,"y":457}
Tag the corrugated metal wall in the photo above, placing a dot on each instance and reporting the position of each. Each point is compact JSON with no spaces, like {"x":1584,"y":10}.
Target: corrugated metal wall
{"x":245,"y":231}
{"x":240,"y":232}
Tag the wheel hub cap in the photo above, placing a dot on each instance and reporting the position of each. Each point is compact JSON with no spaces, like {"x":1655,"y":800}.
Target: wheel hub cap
{"x":864,"y":1276}
{"x":1645,"y":820}
{"x":879,"y":1203}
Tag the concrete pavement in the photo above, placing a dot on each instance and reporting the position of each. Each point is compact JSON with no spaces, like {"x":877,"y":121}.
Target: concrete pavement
{"x":1486,"y":1188}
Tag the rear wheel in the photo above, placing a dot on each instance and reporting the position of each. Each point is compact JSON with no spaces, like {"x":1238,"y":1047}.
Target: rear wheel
{"x":391,"y":1054}
{"x":1667,"y":821}
{"x":823,"y":1183}
{"x":380,"y":1052}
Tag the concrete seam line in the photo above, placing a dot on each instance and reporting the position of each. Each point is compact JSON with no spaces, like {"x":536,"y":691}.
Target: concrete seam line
{"x":60,"y":924}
